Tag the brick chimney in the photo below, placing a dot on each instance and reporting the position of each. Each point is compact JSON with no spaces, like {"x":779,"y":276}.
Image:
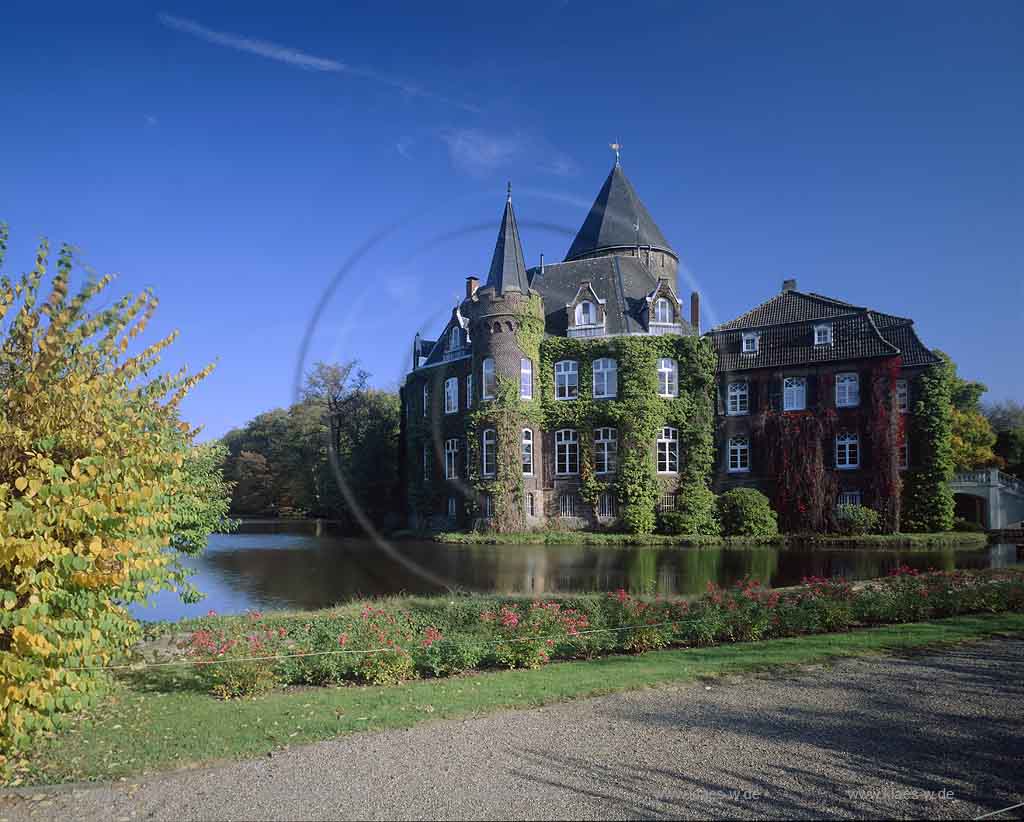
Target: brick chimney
{"x":472,"y":284}
{"x":788,"y":285}
{"x":695,"y":311}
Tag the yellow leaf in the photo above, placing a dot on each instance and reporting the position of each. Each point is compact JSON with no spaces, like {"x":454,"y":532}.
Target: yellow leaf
{"x":21,"y":483}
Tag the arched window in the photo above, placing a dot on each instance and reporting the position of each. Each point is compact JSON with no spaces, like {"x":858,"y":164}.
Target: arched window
{"x":606,"y":450}
{"x":606,"y":378}
{"x":567,"y":452}
{"x":847,"y":390}
{"x":662,"y":311}
{"x":668,"y":451}
{"x":738,"y":399}
{"x":455,"y":339}
{"x":794,"y":394}
{"x":567,"y":384}
{"x":527,"y":452}
{"x":451,"y":457}
{"x":451,"y":395}
{"x":585,"y":313}
{"x":848,"y":450}
{"x":489,"y":383}
{"x":526,"y":379}
{"x":490,"y":447}
{"x":739,"y":454}
{"x":668,"y":378}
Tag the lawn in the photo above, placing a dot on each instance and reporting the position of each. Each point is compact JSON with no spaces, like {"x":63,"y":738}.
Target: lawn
{"x":163,"y":718}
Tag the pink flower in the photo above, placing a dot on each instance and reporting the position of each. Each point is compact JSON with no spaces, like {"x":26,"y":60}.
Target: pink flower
{"x":211,"y":612}
{"x":342,"y":640}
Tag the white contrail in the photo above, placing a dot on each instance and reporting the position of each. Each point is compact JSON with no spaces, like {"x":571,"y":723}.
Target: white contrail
{"x":296,"y":58}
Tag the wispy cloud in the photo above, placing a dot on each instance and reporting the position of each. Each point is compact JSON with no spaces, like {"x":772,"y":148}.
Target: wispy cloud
{"x":479,"y":152}
{"x":299,"y":59}
{"x":151,"y":120}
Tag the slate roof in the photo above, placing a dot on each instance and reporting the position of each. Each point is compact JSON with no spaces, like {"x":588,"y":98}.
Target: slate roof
{"x":785,"y":325}
{"x":613,"y":218}
{"x":623,"y":282}
{"x":508,"y":269}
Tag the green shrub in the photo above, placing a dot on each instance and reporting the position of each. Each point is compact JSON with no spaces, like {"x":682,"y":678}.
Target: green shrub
{"x":746,"y":512}
{"x":856,"y":520}
{"x":696,"y":514}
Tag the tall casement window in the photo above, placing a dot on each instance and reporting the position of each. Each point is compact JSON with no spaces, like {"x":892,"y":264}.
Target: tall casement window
{"x":606,"y":507}
{"x":451,"y":456}
{"x":426,"y":462}
{"x":823,"y":334}
{"x":606,"y":450}
{"x":567,"y":452}
{"x":668,"y":451}
{"x":488,"y":382}
{"x":455,"y":340}
{"x":567,"y":505}
{"x":662,"y":311}
{"x":531,"y":506}
{"x":451,"y":507}
{"x":903,"y":455}
{"x":426,"y":400}
{"x":606,"y":378}
{"x":848,"y":450}
{"x":585,"y":313}
{"x":739,"y":454}
{"x":902,"y":396}
{"x":794,"y":394}
{"x":738,"y":398}
{"x":567,"y":380}
{"x":451,"y":395}
{"x":751,"y":343}
{"x":847,"y":390}
{"x":469,"y":391}
{"x":527,"y":451}
{"x":668,"y":378}
{"x":490,"y":448}
{"x":526,"y":379}
{"x":488,"y":506}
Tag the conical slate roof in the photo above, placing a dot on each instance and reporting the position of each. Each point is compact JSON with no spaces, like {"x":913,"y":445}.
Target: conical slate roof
{"x":612,"y":221}
{"x":508,"y":270}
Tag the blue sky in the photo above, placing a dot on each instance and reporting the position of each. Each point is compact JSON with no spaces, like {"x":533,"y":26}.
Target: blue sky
{"x":236,"y":157}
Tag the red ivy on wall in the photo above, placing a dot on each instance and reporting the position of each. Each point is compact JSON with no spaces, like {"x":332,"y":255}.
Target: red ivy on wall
{"x":886,"y":435}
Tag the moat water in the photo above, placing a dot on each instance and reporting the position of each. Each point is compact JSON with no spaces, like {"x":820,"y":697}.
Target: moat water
{"x":263,"y":571}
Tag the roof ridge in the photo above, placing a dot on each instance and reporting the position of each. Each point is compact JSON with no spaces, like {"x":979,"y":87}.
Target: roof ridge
{"x":871,"y":322}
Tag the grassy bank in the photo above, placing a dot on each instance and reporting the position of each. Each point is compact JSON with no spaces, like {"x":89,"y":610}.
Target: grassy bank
{"x":165,"y":719}
{"x":612,"y":540}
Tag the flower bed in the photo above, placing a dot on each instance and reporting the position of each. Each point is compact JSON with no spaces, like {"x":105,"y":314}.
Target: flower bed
{"x":392,"y":644}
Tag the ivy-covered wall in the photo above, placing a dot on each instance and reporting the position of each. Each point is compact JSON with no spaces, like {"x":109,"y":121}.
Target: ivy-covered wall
{"x":928,"y":503}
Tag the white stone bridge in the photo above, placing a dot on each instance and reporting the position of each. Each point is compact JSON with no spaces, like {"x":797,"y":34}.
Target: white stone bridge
{"x":991,"y":497}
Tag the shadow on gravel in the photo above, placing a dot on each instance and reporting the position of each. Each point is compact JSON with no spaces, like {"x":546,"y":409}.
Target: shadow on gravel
{"x":949,"y":722}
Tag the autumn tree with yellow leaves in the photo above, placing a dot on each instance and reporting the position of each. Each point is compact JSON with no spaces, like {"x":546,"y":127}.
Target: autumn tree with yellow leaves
{"x":97,"y":488}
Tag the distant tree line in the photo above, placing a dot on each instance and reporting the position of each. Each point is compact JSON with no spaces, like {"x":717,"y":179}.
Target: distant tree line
{"x":281,"y":461}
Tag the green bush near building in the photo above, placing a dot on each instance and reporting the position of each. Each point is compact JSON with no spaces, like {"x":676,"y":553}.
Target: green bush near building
{"x":746,"y":512}
{"x":857,"y":520}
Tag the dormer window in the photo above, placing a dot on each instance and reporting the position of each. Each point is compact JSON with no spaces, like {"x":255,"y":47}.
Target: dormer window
{"x":662,"y":311}
{"x":823,"y":334}
{"x":455,"y":340}
{"x":586,"y":313}
{"x":751,"y":343}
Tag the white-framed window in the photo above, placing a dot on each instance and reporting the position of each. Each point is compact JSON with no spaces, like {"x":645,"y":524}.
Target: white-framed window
{"x":848,"y":498}
{"x":426,"y":462}
{"x":526,"y":379}
{"x":668,"y":377}
{"x":662,"y":311}
{"x":451,"y":395}
{"x":738,"y":398}
{"x":567,"y":380}
{"x":489,"y":381}
{"x":455,"y":339}
{"x":847,"y":390}
{"x":527,"y":452}
{"x":823,"y":334}
{"x":469,"y":391}
{"x":794,"y":393}
{"x":666,"y":502}
{"x":606,"y":450}
{"x":567,"y":452}
{"x":751,"y":343}
{"x":668,"y":451}
{"x":567,"y":505}
{"x":451,"y":507}
{"x":606,"y":378}
{"x":426,"y":400}
{"x":490,"y":448}
{"x":531,"y":506}
{"x":903,"y":457}
{"x":488,"y":506}
{"x":739,"y":453}
{"x":586,"y":313}
{"x":606,"y":507}
{"x":451,"y":456}
{"x":902,"y":396}
{"x":848,"y":450}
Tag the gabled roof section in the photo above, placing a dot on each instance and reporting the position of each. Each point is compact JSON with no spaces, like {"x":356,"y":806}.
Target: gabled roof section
{"x":614,"y":219}
{"x":790,"y":307}
{"x":508,"y":269}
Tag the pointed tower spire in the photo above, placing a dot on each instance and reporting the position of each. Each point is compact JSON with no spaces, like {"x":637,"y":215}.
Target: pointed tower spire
{"x":508,"y":268}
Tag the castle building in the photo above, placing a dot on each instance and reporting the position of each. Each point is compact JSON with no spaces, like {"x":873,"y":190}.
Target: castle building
{"x":581,"y":391}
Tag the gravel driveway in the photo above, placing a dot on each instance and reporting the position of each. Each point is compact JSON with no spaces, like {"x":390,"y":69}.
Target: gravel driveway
{"x":937,"y":735}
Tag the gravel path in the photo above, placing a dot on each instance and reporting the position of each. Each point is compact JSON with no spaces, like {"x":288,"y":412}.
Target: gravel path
{"x":878,"y":738}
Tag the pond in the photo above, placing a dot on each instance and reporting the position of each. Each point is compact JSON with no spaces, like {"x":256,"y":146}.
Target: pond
{"x":263,"y":571}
